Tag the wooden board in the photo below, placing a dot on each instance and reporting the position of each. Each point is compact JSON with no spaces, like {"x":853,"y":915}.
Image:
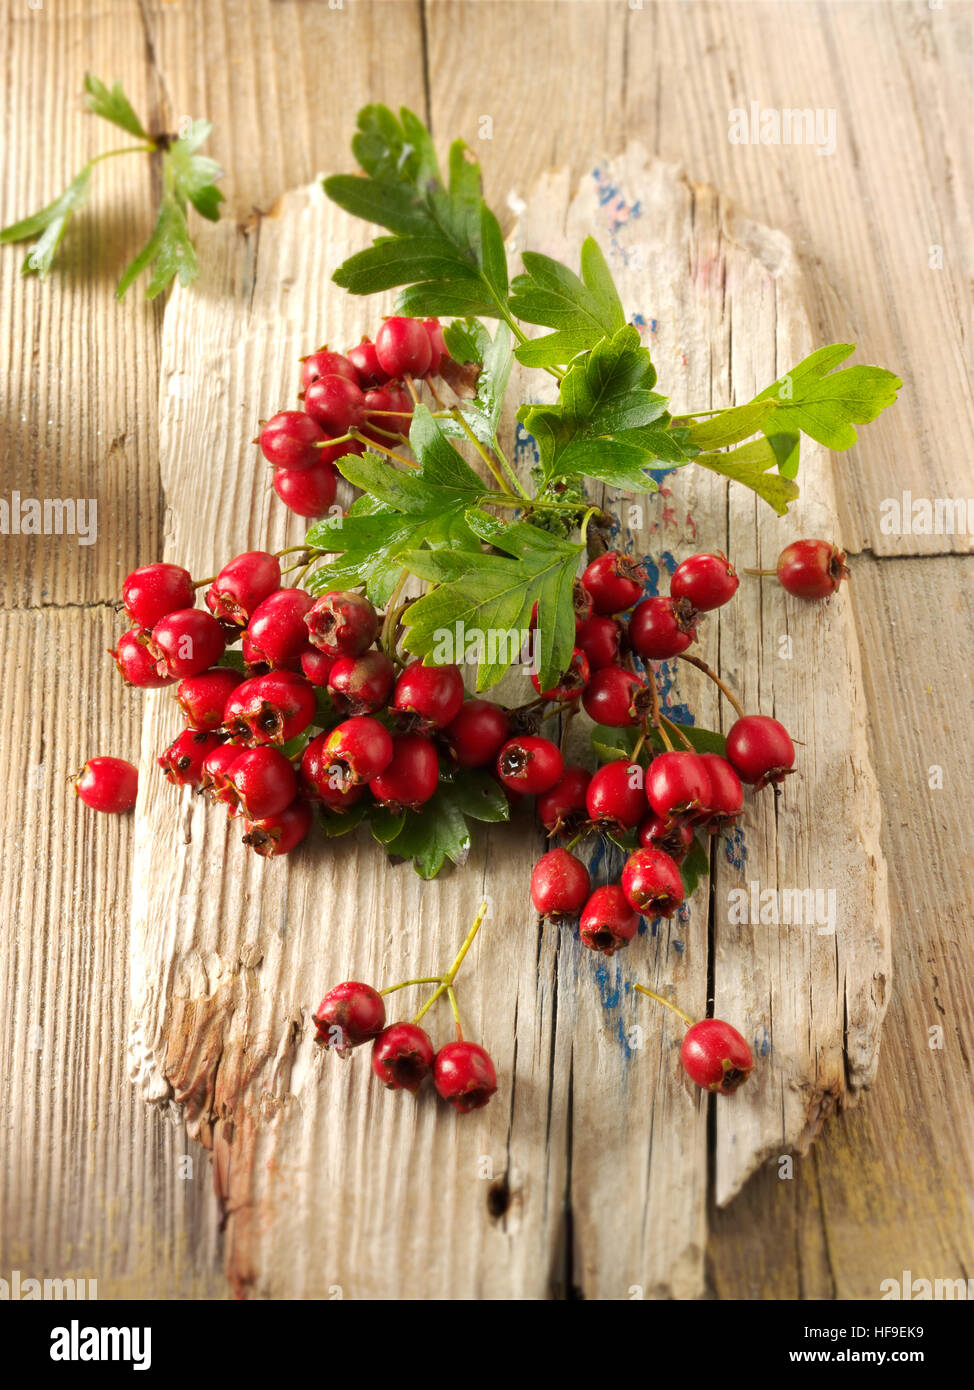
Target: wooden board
{"x":230,"y":954}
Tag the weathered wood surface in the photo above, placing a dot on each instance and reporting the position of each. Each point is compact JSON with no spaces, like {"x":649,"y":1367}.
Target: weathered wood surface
{"x":888,"y":1186}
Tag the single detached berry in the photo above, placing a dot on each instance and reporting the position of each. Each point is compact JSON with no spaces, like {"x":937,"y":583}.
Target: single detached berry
{"x":760,"y":750}
{"x":411,"y":777}
{"x":186,"y":642}
{"x":616,"y":797}
{"x":278,"y":835}
{"x":403,"y":347}
{"x":136,"y":664}
{"x":342,"y":623}
{"x":277,"y":632}
{"x":242,"y":585}
{"x":335,"y":403}
{"x":563,"y":809}
{"x":476,"y":734}
{"x":293,"y":440}
{"x":599,"y":638}
{"x":349,"y":1015}
{"x":662,"y":628}
{"x":263,"y":781}
{"x":715,"y":1056}
{"x":652,"y":884}
{"x":530,"y":765}
{"x":152,"y":591}
{"x":464,"y":1075}
{"x":725,"y":801}
{"x":811,"y":569}
{"x":270,"y":708}
{"x":325,"y":363}
{"x":361,"y":684}
{"x":615,"y":582}
{"x":678,"y":786}
{"x":571,"y":683}
{"x":365,"y":360}
{"x":560,"y":885}
{"x":108,"y":784}
{"x":308,"y":492}
{"x":182,"y":762}
{"x":607,"y":921}
{"x":203,"y":698}
{"x":705,"y":581}
{"x":674,"y":837}
{"x":430,"y":695}
{"x":358,"y":750}
{"x":402,"y":1057}
{"x":614,"y":697}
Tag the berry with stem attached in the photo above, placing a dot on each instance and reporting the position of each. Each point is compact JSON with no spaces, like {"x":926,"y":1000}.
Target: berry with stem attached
{"x":760,"y":750}
{"x":402,"y":1057}
{"x":615,"y":582}
{"x":263,"y":781}
{"x":342,"y":623}
{"x":811,"y":569}
{"x":136,"y":664}
{"x":403,"y":347}
{"x":186,"y":642}
{"x":560,"y":885}
{"x":203,"y":698}
{"x":278,"y":835}
{"x":651,"y":882}
{"x":307,"y":492}
{"x":530,"y":765}
{"x":674,"y":837}
{"x":242,"y":585}
{"x":716,"y":1056}
{"x":411,"y":776}
{"x":678,"y":786}
{"x":292,"y":440}
{"x":153,"y":591}
{"x":349,"y":1015}
{"x":614,"y":697}
{"x":563,"y":809}
{"x":662,"y":628}
{"x":616,"y":797}
{"x":437,"y":345}
{"x":464,"y":1074}
{"x":182,"y":762}
{"x":705,"y":581}
{"x":336,"y":403}
{"x":270,"y":708}
{"x":476,"y":734}
{"x":431,"y":696}
{"x":365,"y":360}
{"x":725,"y":801}
{"x":277,"y":633}
{"x":107,"y":784}
{"x":608,"y":922}
{"x":359,"y":749}
{"x":361,"y":684}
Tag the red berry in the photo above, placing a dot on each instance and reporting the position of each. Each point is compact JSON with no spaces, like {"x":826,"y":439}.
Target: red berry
{"x":107,"y":784}
{"x":582,"y":605}
{"x":335,"y":403}
{"x":607,"y":921}
{"x":562,"y":810}
{"x":811,"y":569}
{"x":325,"y":781}
{"x":292,"y":440}
{"x":674,"y":837}
{"x":715,"y":1056}
{"x":214,"y":775}
{"x":726,"y":799}
{"x":136,"y":664}
{"x":308,"y":492}
{"x":437,"y":346}
{"x":365,"y":360}
{"x":276,"y":632}
{"x":342,"y":623}
{"x":361,"y":684}
{"x":386,"y":399}
{"x":278,"y":835}
{"x":325,"y":363}
{"x":760,"y":750}
{"x":203,"y":698}
{"x":316,"y":666}
{"x":599,"y":639}
{"x":402,"y":1056}
{"x":152,"y":591}
{"x":359,"y":749}
{"x":263,"y":781}
{"x":242,"y":585}
{"x":661,"y":628}
{"x":349,"y":1015}
{"x":616,"y":799}
{"x":412,"y":776}
{"x":464,"y":1075}
{"x":705,"y":581}
{"x":432,"y":695}
{"x":652,"y":884}
{"x":182,"y":762}
{"x":560,"y":885}
{"x":270,"y":708}
{"x":403,"y":347}
{"x":530,"y":765}
{"x":186,"y":642}
{"x":571,"y":683}
{"x":615,"y":582}
{"x":613,"y":697}
{"x":678,"y":786}
{"x":475,"y":734}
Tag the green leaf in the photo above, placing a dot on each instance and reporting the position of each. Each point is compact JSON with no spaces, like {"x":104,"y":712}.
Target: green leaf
{"x":731,"y":426}
{"x":702,"y":740}
{"x":749,"y":464}
{"x":112,"y":106}
{"x":169,"y":251}
{"x":611,"y":745}
{"x":342,"y":823}
{"x":468,"y":340}
{"x":384,"y":825}
{"x":479,"y":796}
{"x":194,"y":175}
{"x":49,"y":225}
{"x":433,"y":835}
{"x":695,"y":867}
{"x":581,"y":310}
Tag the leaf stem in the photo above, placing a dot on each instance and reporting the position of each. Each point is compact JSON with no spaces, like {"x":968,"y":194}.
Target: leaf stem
{"x":461,"y":421}
{"x":702,"y":666}
{"x":667,"y":1003}
{"x":124,"y":149}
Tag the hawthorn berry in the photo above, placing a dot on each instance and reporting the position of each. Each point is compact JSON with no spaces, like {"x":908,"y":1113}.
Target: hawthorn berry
{"x":582,"y":605}
{"x":270,"y":708}
{"x":661,"y":628}
{"x":274,"y":836}
{"x":349,"y":1015}
{"x":562,"y":810}
{"x":476,"y":733}
{"x":325,"y":363}
{"x":760,"y":750}
{"x":359,"y":749}
{"x":316,"y":666}
{"x":325,"y":782}
{"x":571,"y":683}
{"x":725,"y":801}
{"x":811,"y":569}
{"x":213,"y":775}
{"x":411,"y":776}
{"x":186,"y":642}
{"x":336,"y":403}
{"x":608,"y":922}
{"x":391,"y":413}
{"x":463,"y":1074}
{"x":600,"y":638}
{"x":361,"y":684}
{"x":437,"y":345}
{"x":614,"y":696}
{"x":615,"y":582}
{"x":705,"y":581}
{"x":182,"y":762}
{"x":263,"y":782}
{"x":403,"y":347}
{"x":430,"y":695}
{"x":529,"y":764}
{"x":560,"y":885}
{"x":107,"y":784}
{"x":292,"y":440}
{"x":307,"y":492}
{"x":153,"y":591}
{"x":342,"y":623}
{"x":365,"y":360}
{"x":651,"y":882}
{"x":136,"y":664}
{"x":678,"y":786}
{"x":674,"y":837}
{"x":715,"y":1056}
{"x":616,"y":799}
{"x":277,"y":632}
{"x":242,"y":585}
{"x":402,"y":1057}
{"x":203,"y":698}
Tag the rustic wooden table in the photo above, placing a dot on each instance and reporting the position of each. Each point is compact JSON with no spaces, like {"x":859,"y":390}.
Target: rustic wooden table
{"x":883,"y":226}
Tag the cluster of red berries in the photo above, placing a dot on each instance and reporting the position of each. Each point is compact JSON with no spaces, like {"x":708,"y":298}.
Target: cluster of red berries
{"x":349,"y":401}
